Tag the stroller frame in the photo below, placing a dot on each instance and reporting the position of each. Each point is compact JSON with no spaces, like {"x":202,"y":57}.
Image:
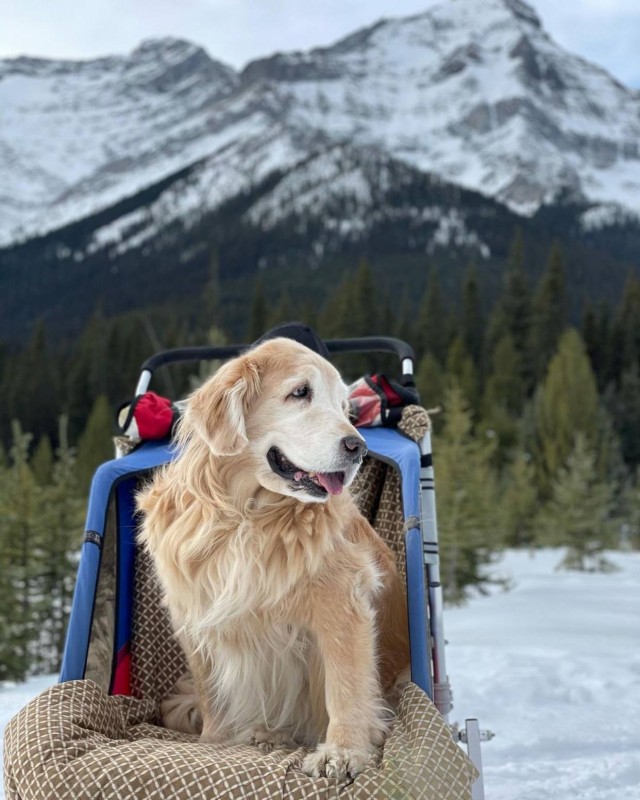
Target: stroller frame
{"x":424,"y":590}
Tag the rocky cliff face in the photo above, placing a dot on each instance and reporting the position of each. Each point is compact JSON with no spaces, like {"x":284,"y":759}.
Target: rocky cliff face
{"x":472,"y":91}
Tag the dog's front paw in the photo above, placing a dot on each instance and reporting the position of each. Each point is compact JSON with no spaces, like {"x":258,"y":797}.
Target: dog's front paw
{"x":267,"y":741}
{"x":331,"y":761}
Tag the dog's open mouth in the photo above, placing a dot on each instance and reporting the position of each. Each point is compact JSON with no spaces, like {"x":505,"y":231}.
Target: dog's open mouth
{"x":318,"y":483}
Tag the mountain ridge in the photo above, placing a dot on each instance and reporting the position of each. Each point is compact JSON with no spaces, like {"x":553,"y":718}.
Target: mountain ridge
{"x":423,"y":138}
{"x":527,"y":121}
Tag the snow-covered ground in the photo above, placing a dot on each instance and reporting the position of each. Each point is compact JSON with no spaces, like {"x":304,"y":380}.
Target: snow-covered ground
{"x":13,"y":696}
{"x":552,"y":667}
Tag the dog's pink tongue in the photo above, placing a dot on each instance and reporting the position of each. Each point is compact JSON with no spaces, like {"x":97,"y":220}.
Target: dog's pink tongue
{"x":332,"y":481}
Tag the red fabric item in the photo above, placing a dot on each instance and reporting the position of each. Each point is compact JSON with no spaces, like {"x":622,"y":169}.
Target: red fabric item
{"x":153,"y":415}
{"x":122,"y":677}
{"x":393,"y":398}
{"x":366,"y":402}
{"x":377,"y":400}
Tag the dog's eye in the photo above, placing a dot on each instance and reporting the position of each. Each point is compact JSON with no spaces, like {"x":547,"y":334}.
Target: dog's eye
{"x":301,"y":392}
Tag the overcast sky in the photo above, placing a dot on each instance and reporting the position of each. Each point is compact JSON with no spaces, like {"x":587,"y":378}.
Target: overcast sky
{"x":236,"y":31}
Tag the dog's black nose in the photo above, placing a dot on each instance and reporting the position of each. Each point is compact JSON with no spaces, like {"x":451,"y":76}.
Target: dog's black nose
{"x":355,"y":446}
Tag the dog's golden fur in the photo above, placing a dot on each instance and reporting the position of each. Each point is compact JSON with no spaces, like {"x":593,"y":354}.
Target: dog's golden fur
{"x":287,"y":603}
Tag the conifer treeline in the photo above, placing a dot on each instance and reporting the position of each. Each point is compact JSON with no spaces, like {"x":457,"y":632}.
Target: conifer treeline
{"x":41,"y":517}
{"x":537,"y":424}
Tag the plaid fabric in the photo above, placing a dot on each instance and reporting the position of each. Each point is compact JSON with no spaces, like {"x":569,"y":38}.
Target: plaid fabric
{"x":75,"y":742}
{"x":157,"y":660}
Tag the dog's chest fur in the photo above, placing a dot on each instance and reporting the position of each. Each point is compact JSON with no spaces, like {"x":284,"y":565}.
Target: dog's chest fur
{"x":265,"y":676}
{"x":241,"y":604}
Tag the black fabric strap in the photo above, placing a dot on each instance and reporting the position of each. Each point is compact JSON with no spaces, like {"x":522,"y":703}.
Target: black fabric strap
{"x":93,"y":538}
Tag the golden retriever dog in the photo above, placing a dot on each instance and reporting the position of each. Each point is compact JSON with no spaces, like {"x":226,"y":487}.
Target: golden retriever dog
{"x":287,"y":603}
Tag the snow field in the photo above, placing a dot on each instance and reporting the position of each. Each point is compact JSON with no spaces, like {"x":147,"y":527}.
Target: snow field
{"x":552,"y":667}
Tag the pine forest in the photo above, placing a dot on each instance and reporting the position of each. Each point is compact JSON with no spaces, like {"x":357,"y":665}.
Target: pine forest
{"x":534,"y":408}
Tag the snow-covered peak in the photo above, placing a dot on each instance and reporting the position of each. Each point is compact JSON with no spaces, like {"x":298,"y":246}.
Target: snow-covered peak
{"x":473,"y":91}
{"x":476,"y":91}
{"x":157,"y":54}
{"x":76,"y":136}
{"x":166,"y":63}
{"x":165,"y":47}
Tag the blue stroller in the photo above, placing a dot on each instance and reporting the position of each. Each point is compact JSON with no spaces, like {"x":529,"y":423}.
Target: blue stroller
{"x":96,"y":733}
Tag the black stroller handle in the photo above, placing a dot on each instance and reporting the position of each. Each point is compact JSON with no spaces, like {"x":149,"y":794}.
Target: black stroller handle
{"x":367,"y":344}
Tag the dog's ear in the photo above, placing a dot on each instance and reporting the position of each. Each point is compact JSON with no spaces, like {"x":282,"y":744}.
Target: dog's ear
{"x":217,"y":409}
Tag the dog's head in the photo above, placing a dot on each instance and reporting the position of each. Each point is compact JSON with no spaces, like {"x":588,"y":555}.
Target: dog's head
{"x":287,"y":408}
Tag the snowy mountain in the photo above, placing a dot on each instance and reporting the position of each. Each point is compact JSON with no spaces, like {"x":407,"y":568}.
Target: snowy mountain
{"x":472,"y":91}
{"x":427,"y":139}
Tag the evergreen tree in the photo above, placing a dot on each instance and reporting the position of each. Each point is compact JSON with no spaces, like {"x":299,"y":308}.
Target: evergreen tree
{"x":566,"y":404}
{"x":517,"y":250}
{"x":130,"y":342}
{"x":54,"y":556}
{"x":404,"y":326}
{"x":212,"y":293}
{"x":42,"y":462}
{"x":596,"y":335}
{"x":512,"y":314}
{"x":503,"y":399}
{"x":625,"y":331}
{"x":472,"y":325}
{"x":607,"y":446}
{"x":7,"y":384}
{"x":520,"y":502}
{"x":430,"y":382}
{"x":282,"y":312}
{"x":549,"y":316}
{"x":259,"y":315}
{"x":352,"y":311}
{"x":95,"y":445}
{"x":578,"y":514}
{"x":467,"y":499}
{"x":335,"y":322}
{"x":388,"y":320}
{"x":363,"y":301}
{"x":631,"y":527}
{"x":215,"y":337}
{"x":460,"y":368}
{"x":88,"y":375}
{"x":40,"y":533}
{"x":516,"y":307}
{"x":432,"y":324}
{"x":627,"y":415}
{"x":33,"y":396}
{"x":309,"y":314}
{"x":505,"y":386}
{"x":20,"y":514}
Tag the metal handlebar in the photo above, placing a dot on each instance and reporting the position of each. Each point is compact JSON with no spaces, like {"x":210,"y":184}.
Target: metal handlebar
{"x":367,"y":344}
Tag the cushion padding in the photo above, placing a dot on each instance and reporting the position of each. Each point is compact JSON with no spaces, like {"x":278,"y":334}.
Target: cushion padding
{"x":75,"y":742}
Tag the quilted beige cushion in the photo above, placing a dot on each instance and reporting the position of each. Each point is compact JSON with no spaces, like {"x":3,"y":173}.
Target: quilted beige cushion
{"x":74,"y":742}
